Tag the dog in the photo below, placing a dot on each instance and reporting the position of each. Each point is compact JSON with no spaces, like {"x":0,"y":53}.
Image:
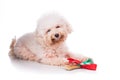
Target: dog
{"x":47,"y":43}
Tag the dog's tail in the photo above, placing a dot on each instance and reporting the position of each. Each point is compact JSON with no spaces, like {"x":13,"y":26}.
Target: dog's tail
{"x":12,"y":45}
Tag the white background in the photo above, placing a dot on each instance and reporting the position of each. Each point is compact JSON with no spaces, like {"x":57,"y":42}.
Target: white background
{"x":96,"y":33}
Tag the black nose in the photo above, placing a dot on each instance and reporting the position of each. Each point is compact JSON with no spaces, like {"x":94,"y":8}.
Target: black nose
{"x":56,"y":35}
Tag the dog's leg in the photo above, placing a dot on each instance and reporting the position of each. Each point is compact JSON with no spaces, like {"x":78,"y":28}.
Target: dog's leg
{"x":24,"y":53}
{"x":56,"y":61}
{"x":79,"y":57}
{"x":50,"y":55}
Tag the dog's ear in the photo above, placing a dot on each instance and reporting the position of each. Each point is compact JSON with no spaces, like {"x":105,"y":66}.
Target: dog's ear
{"x":67,"y":25}
{"x":38,"y":34}
{"x":38,"y":37}
{"x":68,"y":28}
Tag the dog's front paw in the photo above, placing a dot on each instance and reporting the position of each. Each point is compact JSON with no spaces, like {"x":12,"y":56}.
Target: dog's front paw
{"x":57,"y":61}
{"x":50,"y":55}
{"x":62,"y":62}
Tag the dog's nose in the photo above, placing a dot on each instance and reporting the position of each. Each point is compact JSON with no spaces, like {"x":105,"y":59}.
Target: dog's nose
{"x":56,"y":35}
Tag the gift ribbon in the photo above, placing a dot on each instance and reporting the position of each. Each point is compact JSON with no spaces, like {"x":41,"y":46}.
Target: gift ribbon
{"x":88,"y":64}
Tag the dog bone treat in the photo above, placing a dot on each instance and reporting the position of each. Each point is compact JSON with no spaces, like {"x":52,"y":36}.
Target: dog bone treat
{"x":88,"y":64}
{"x":71,"y":67}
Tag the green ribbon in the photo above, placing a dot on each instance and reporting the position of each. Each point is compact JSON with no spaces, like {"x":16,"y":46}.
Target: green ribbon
{"x":88,"y":61}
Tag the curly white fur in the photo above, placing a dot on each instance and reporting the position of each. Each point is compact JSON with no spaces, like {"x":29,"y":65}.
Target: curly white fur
{"x":47,"y":43}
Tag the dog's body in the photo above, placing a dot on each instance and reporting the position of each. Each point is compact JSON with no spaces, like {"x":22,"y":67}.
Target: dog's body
{"x":47,"y":43}
{"x":27,"y":48}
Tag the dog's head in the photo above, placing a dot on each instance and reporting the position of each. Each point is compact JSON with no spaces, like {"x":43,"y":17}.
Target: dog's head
{"x":52,"y":30}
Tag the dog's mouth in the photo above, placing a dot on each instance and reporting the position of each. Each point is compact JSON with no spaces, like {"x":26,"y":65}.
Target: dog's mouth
{"x":58,"y":40}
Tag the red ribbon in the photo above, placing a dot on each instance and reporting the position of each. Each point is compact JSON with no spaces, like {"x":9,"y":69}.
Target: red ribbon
{"x":89,"y":66}
{"x":71,"y":60}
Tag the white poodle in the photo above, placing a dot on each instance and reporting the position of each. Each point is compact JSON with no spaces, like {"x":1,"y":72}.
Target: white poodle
{"x":47,"y":43}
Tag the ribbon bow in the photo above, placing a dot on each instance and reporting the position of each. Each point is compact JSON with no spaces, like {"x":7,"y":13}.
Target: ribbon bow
{"x":88,"y":64}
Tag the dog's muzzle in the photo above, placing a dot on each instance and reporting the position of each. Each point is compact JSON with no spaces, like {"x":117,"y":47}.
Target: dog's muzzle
{"x":57,"y":37}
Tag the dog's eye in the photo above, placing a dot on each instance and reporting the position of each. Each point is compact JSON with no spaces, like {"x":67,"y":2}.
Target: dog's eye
{"x":48,"y":30}
{"x":57,"y":26}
